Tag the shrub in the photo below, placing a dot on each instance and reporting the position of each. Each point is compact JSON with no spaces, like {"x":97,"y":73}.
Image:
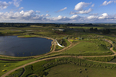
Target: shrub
{"x":103,"y":59}
{"x":17,"y":73}
{"x":28,"y":71}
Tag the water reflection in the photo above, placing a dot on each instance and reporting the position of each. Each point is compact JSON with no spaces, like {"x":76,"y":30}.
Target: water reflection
{"x":14,"y":46}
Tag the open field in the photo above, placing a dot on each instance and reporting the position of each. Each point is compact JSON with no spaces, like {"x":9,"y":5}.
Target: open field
{"x":68,"y":70}
{"x":91,"y":46}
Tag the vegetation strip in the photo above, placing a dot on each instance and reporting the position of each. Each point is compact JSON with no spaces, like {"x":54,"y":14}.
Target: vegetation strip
{"x":39,"y":68}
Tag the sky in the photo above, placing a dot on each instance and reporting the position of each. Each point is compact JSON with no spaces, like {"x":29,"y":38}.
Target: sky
{"x":58,"y":11}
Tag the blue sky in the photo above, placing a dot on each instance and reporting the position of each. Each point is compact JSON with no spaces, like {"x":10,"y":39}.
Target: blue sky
{"x":58,"y":11}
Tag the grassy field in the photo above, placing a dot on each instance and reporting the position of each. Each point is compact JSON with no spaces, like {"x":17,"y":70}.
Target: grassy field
{"x":91,"y":46}
{"x":58,"y":48}
{"x":69,"y":70}
{"x":9,"y":65}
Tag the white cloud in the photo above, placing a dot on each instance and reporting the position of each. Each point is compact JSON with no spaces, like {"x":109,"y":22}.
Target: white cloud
{"x":94,"y":14}
{"x":104,"y":15}
{"x":23,"y":16}
{"x":58,"y":18}
{"x":4,"y":5}
{"x":92,"y":5}
{"x":21,"y":8}
{"x":92,"y":17}
{"x":81,"y":5}
{"x":47,"y":15}
{"x":107,"y":2}
{"x":74,"y":16}
{"x":82,"y":11}
{"x":16,"y":2}
{"x":33,"y":16}
{"x":28,"y":13}
{"x":80,"y":8}
{"x":62,"y":9}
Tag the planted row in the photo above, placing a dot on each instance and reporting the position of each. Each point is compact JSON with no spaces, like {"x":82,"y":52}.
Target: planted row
{"x":39,"y":68}
{"x":103,"y":59}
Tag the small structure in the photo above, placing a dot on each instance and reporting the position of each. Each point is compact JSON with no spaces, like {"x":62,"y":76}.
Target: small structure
{"x":58,"y":43}
{"x":59,"y":29}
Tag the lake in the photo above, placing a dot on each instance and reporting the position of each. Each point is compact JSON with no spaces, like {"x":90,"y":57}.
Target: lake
{"x":19,"y":47}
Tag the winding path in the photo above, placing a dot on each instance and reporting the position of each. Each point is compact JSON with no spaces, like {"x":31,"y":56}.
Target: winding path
{"x":71,"y":44}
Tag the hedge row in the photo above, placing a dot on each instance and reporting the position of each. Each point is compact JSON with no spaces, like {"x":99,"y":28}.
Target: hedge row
{"x":103,"y":59}
{"x":89,"y":54}
{"x":28,"y":71}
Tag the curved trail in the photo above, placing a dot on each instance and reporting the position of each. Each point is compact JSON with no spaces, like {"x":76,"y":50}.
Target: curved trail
{"x":7,"y":73}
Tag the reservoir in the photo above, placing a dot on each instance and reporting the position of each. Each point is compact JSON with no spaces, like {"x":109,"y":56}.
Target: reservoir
{"x":19,"y":47}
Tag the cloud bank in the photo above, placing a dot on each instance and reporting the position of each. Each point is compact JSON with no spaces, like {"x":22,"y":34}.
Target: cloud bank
{"x":33,"y":16}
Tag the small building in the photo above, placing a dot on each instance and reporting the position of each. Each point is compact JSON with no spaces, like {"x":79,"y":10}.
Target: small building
{"x":59,"y":30}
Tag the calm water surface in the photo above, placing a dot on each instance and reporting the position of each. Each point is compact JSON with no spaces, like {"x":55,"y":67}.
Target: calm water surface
{"x":14,"y":46}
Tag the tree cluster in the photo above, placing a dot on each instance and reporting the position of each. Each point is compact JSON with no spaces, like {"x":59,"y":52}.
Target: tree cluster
{"x":62,"y":42}
{"x":14,"y":24}
{"x":106,"y":31}
{"x":93,"y":29}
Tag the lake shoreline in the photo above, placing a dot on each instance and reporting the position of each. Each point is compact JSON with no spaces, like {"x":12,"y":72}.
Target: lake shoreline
{"x":31,"y":37}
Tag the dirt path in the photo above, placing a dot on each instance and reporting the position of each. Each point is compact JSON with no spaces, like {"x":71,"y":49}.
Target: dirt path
{"x":65,"y":56}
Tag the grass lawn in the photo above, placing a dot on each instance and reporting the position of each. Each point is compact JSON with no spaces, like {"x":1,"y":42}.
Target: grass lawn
{"x":69,"y":70}
{"x":68,"y":43}
{"x":93,"y":46}
{"x":11,"y":65}
{"x":58,"y":48}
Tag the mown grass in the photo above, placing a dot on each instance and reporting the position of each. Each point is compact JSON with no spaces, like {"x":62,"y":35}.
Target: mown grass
{"x":14,"y":58}
{"x":67,"y":42}
{"x":69,"y":70}
{"x":92,"y":46}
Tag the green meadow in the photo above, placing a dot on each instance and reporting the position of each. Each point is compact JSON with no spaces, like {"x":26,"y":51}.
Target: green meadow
{"x":69,"y":70}
{"x":90,"y":46}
